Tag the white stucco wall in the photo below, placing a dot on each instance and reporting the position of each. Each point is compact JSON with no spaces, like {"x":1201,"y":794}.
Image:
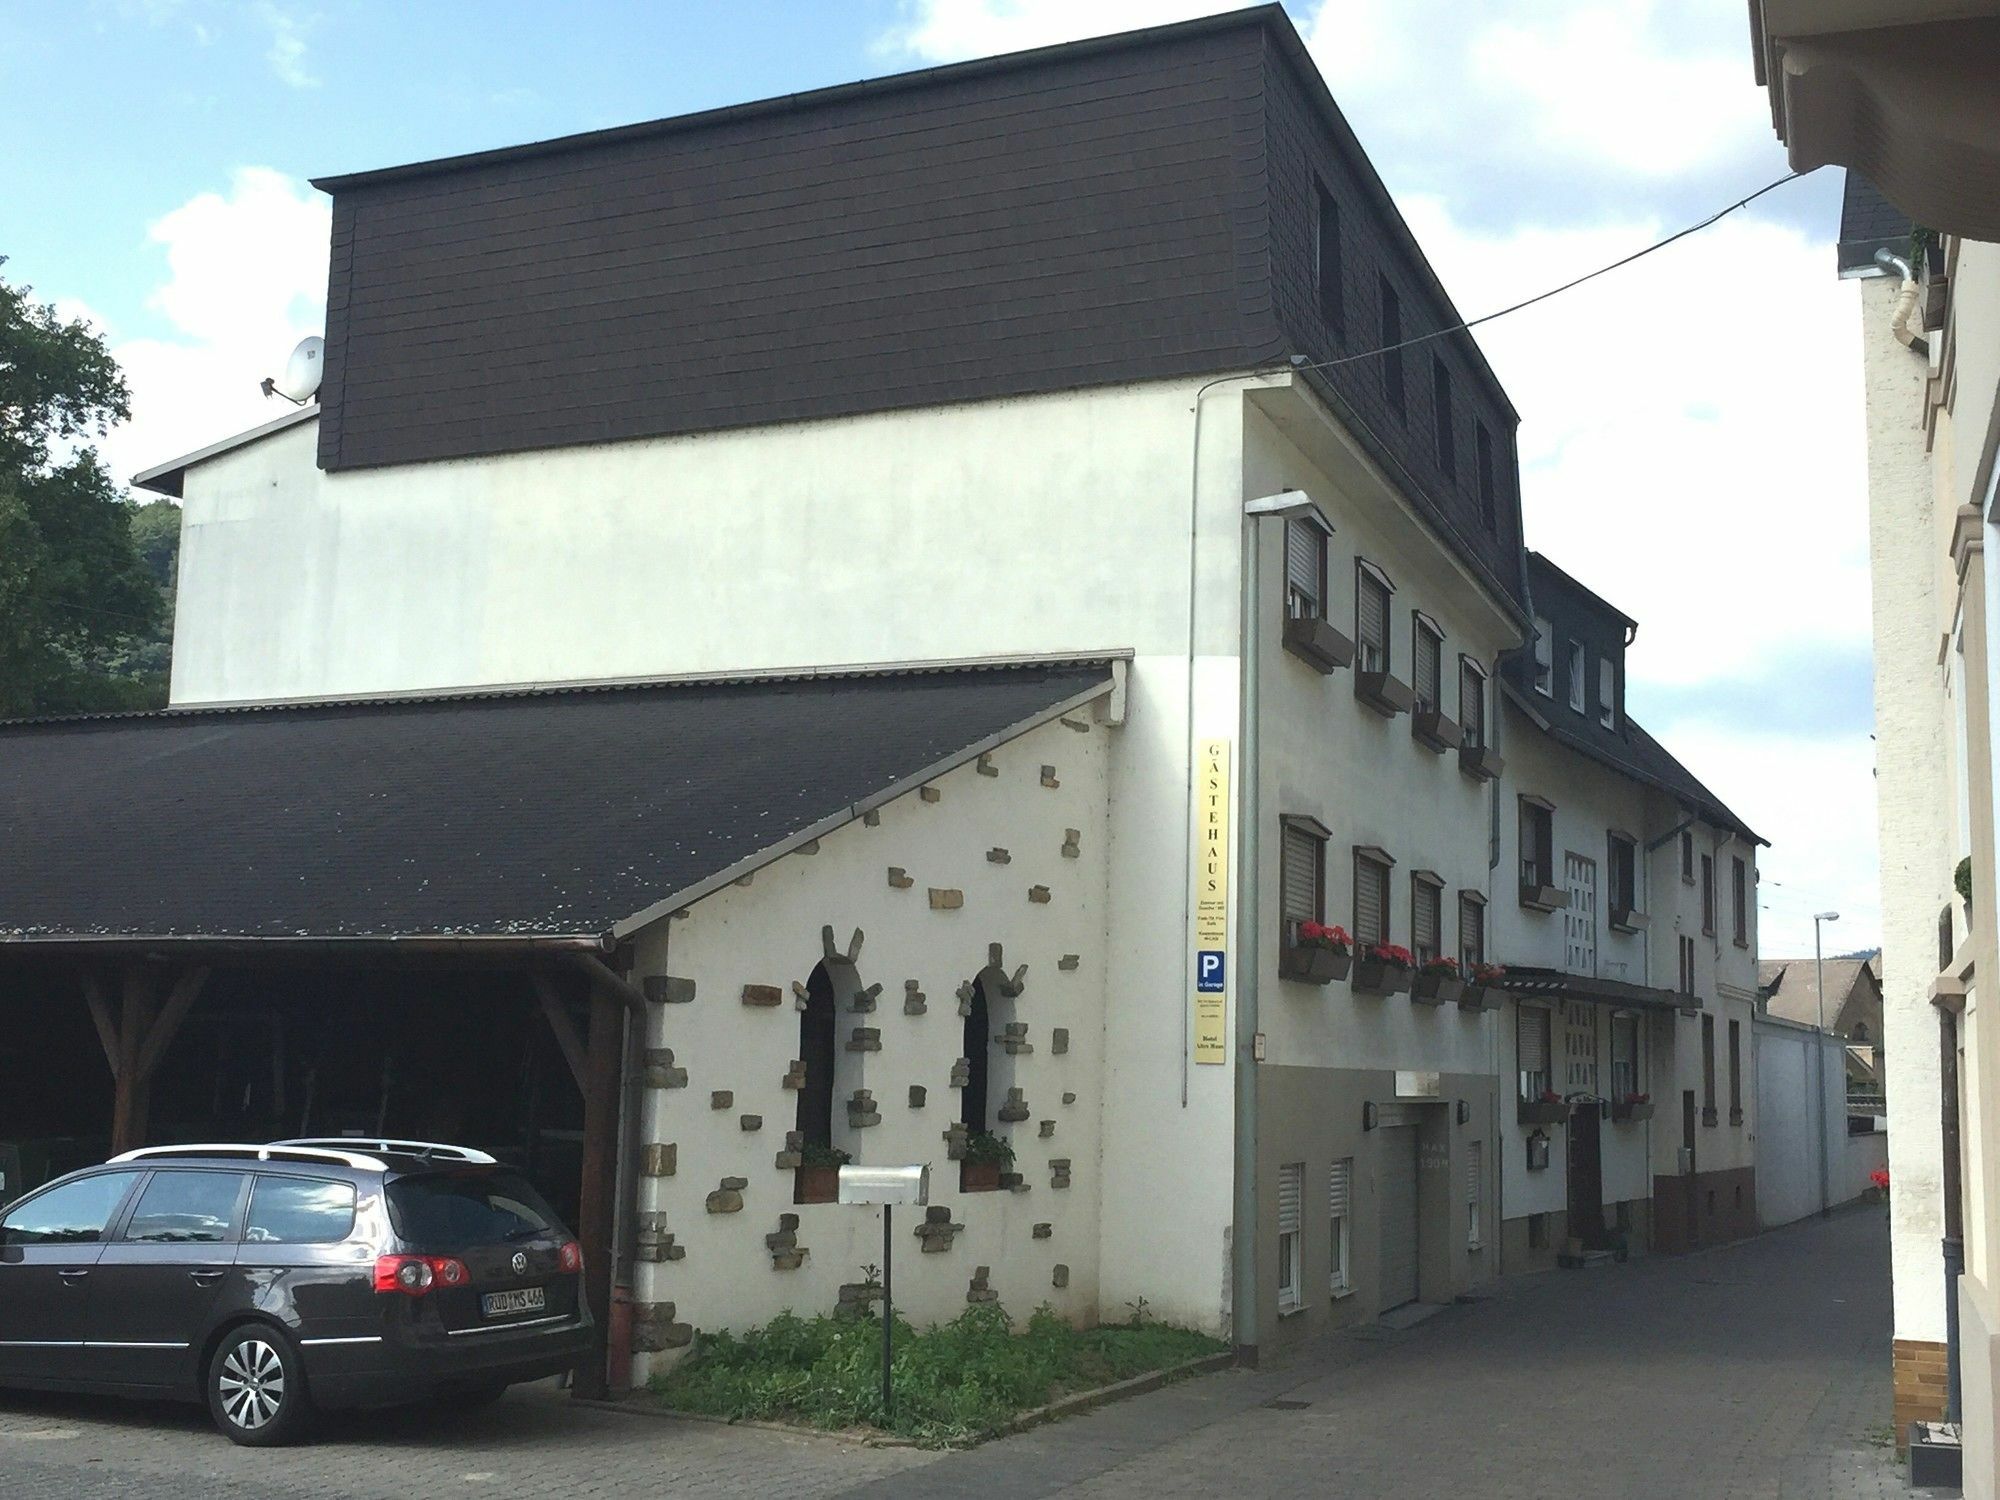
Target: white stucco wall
{"x":1794,"y":1124}
{"x":769,"y":933}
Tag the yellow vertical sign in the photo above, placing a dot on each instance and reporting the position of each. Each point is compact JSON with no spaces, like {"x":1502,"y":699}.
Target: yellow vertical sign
{"x":1211,"y":904}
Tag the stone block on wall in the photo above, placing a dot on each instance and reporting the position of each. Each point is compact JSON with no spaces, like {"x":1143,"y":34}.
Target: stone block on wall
{"x":979,"y":1289}
{"x":1059,"y":1040}
{"x":665,"y":989}
{"x":900,"y":879}
{"x":655,"y":1329}
{"x":1059,"y":1172}
{"x":914,"y":1003}
{"x":1015,"y":1109}
{"x":1061,"y":1277}
{"x":763,"y":995}
{"x":1049,"y":777}
{"x":659,"y":1159}
{"x":1072,"y":845}
{"x":946,"y":900}
{"x":750,"y":1122}
{"x":865,"y":1039}
{"x":659,"y":1071}
{"x":917,"y":1095}
{"x":937,"y":1229}
{"x":1039,"y":895}
{"x":861,"y":1110}
{"x":722,"y":1099}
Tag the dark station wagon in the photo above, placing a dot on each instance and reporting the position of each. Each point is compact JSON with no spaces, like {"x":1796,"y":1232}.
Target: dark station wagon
{"x":271,"y":1281}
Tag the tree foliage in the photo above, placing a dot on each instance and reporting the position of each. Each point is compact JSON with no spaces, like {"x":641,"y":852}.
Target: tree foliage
{"x":78,"y":603}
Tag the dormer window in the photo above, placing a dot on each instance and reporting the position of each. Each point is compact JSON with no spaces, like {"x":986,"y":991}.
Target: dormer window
{"x":1607,"y":692}
{"x":1576,"y":675}
{"x":1545,"y":658}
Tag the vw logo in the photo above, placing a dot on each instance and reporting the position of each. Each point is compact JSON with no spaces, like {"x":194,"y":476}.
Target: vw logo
{"x":520,"y":1264}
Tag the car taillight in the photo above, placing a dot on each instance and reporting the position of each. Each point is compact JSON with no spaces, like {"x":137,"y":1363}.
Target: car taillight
{"x":413,"y":1275}
{"x":570,"y":1257}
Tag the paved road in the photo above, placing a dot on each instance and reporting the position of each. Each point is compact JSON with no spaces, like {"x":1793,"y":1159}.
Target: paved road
{"x":1757,"y":1372}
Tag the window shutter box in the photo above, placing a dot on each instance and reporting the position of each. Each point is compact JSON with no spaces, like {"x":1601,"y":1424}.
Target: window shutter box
{"x":1315,"y":641}
{"x":1480,"y":762}
{"x":1384,"y":692}
{"x":1291,"y":1199}
{"x":1544,"y":898}
{"x":1431,"y":728}
{"x":1624,"y":919}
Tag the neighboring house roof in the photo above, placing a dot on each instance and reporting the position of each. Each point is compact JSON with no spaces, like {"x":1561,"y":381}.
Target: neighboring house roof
{"x":1632,"y":752}
{"x":1791,"y":986}
{"x":1868,"y":222}
{"x":166,"y":478}
{"x":499,"y":813}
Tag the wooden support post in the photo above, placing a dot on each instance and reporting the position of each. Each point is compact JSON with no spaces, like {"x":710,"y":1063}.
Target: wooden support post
{"x":129,"y":1098}
{"x":160,"y":1035}
{"x":547,"y":992}
{"x":101,"y":1017}
{"x":602,"y":1061}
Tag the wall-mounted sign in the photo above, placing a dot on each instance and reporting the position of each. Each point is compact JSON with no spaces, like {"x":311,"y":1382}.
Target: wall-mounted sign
{"x":1418,"y":1085}
{"x":1211,"y":903}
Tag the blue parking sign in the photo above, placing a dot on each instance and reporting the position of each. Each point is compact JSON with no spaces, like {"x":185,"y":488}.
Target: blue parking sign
{"x":1210,"y":968}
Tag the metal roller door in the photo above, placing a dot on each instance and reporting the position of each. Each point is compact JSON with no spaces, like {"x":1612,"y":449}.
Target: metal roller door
{"x":1398,"y":1177}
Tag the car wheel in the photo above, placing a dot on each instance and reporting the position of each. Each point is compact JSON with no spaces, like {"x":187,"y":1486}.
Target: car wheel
{"x":257,"y":1389}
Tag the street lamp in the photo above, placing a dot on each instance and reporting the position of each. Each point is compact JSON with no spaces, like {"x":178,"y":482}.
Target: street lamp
{"x":1819,"y":1057}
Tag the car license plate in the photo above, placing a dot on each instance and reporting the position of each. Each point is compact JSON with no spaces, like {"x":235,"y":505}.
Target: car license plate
{"x":501,"y":1304}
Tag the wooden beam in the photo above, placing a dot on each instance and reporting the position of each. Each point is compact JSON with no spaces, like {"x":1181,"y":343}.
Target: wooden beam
{"x":129,"y":1097}
{"x":559,"y":1023}
{"x":604,"y":1061}
{"x":161,"y":1035}
{"x":607,"y":979}
{"x":100,"y":1015}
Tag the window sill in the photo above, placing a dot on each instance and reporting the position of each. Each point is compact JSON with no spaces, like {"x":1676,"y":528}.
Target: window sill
{"x":1481,"y":762}
{"x":1624,"y":919}
{"x":1431,"y":729}
{"x":1709,"y":1119}
{"x":1290,"y":1312}
{"x":1742,"y":942}
{"x":1384,"y":692}
{"x":1736,"y":1117}
{"x":1318,"y":644}
{"x":1340,"y":1294}
{"x":1544,"y":898}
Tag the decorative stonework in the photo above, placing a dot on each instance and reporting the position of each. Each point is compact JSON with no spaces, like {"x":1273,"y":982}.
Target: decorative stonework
{"x":861,"y":1110}
{"x":1045,"y":1231}
{"x":978,"y":1289}
{"x":998,"y":856}
{"x":858,"y":1299}
{"x":946,"y":900}
{"x":961,"y":1073}
{"x":986,"y":766}
{"x":955,"y":1137}
{"x":899,"y":878}
{"x":1049,"y":777}
{"x":863,"y":1002}
{"x":1059,"y":1041}
{"x":728,"y":1198}
{"x":1039,"y":895}
{"x":1072,"y":843}
{"x":795,"y":1074}
{"x":1077,"y":724}
{"x":749,"y":1123}
{"x":965,"y":999}
{"x":1059,"y":1172}
{"x":872,"y":818}
{"x":1015,"y":1109}
{"x":1014,"y":1038}
{"x":659,"y":1159}
{"x":793,"y":1156}
{"x":917,"y":1095}
{"x":1048,"y":1129}
{"x":664,"y":989}
{"x":722,"y":1099}
{"x":763,"y":995}
{"x":937,"y":1230}
{"x":1069,"y":1098}
{"x":914,"y":1003}
{"x":865,"y":1039}
{"x":655,"y":1329}
{"x":1068,"y":962}
{"x":660,"y":1072}
{"x":929,"y":793}
{"x":787,"y":1254}
{"x":1061,"y":1277}
{"x":653,"y":1244}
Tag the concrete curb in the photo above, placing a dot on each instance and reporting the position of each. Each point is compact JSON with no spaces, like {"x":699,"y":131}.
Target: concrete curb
{"x":1055,"y":1411}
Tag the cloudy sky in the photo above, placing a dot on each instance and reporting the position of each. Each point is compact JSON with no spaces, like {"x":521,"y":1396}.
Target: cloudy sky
{"x":1691,"y":435}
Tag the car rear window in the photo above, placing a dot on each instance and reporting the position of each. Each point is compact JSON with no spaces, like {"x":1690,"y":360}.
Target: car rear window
{"x":446,"y":1210}
{"x":299,"y":1211}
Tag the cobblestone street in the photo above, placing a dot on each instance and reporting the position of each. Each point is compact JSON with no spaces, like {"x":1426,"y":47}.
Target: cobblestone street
{"x":1755,"y":1372}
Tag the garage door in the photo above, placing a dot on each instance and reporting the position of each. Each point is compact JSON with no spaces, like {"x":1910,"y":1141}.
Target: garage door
{"x":1398,"y":1178}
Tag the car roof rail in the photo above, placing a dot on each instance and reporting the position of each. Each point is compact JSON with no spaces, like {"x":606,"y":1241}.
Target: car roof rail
{"x":393,"y":1147}
{"x":276,"y":1151}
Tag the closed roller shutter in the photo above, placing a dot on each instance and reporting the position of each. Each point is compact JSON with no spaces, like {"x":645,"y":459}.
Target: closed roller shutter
{"x":1398,"y":1176}
{"x":1372,"y":622}
{"x":1299,"y":877}
{"x":1475,"y":1172}
{"x":1424,"y":919}
{"x":1291,"y":1199}
{"x":1304,"y":576}
{"x":1429,"y":668}
{"x":1534,"y":1034}
{"x":1371,"y":901}
{"x":1339,"y":1190}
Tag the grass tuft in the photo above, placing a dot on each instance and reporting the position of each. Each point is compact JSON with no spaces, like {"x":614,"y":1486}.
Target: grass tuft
{"x":953,"y":1382}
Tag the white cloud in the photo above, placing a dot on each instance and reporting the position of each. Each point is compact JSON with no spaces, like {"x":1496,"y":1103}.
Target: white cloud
{"x":246,"y":279}
{"x":287,"y":54}
{"x":948,"y":30}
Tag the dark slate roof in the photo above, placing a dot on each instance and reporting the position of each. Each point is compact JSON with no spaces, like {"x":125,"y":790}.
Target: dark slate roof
{"x":1869,"y":222}
{"x":558,"y":812}
{"x":1124,"y":208}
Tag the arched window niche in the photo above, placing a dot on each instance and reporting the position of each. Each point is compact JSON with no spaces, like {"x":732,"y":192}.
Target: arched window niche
{"x":832,"y":1105}
{"x":990,"y":1099}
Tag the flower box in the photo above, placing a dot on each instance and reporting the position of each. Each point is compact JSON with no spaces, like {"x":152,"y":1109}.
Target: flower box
{"x":1438,"y":987}
{"x":816,"y":1184}
{"x":1636,"y":1110}
{"x":1544,"y":897}
{"x":1315,"y":641}
{"x":1384,"y":692}
{"x":1476,"y":997}
{"x":1379,"y":977}
{"x":1480,"y":762}
{"x":979,"y":1177}
{"x":1629,"y":919}
{"x":1313,"y":963}
{"x":1430,"y":727}
{"x":1542,"y":1112}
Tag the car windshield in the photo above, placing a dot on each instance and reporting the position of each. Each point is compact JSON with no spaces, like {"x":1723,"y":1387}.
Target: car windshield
{"x":448,"y":1210}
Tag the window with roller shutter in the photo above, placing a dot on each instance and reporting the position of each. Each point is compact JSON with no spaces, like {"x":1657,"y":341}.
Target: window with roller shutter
{"x":1471,"y":929}
{"x":1371,"y":898}
{"x":1371,"y":620}
{"x":1301,"y":878}
{"x":1339,"y":1188}
{"x":1426,"y":917}
{"x":1471,"y":703}
{"x":1427,"y":659}
{"x":1475,"y":1173}
{"x":1291,"y":1220}
{"x":1305,"y":570}
{"x":1531,"y":1046}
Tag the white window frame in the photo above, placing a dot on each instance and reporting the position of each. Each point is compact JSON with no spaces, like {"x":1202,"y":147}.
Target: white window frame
{"x":1576,"y":675}
{"x":1545,"y":657}
{"x":1607,"y":692}
{"x":1340,"y":1229}
{"x":1291,"y":1236}
{"x":1475,"y":1194}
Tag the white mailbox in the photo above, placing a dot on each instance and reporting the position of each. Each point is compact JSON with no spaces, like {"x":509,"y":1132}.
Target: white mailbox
{"x":885,"y":1184}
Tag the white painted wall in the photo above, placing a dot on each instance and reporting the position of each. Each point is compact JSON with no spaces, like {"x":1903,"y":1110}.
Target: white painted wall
{"x":769,"y":933}
{"x":1794,"y":1124}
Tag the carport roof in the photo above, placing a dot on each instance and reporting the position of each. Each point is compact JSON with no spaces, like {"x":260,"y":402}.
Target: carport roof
{"x":501,"y":814}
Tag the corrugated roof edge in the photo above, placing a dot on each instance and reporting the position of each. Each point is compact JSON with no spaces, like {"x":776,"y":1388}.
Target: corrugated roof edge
{"x":1109,"y":659}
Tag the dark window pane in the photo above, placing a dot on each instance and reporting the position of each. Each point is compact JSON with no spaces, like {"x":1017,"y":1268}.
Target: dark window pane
{"x":191,"y":1208}
{"x":467,"y":1208}
{"x":72,"y":1214}
{"x":299,"y":1211}
{"x":1391,"y":359}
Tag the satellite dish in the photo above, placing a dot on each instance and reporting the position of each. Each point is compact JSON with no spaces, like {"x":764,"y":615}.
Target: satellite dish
{"x":302,"y":371}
